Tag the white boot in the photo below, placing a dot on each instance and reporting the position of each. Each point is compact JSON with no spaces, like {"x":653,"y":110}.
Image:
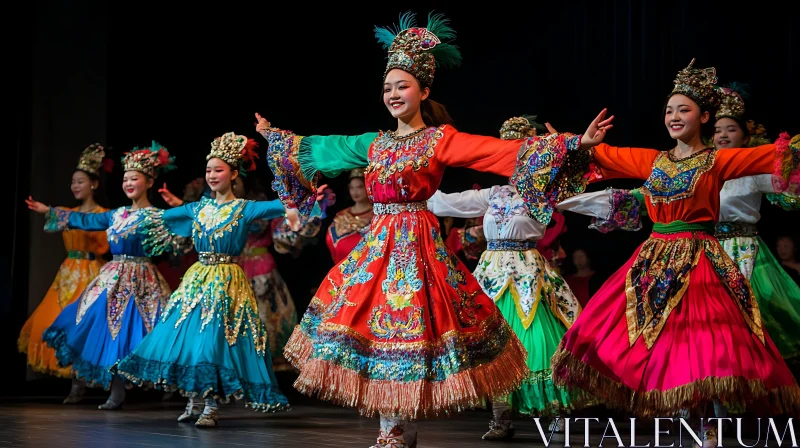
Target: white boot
{"x":193,"y":410}
{"x":501,"y":427}
{"x":396,"y":433}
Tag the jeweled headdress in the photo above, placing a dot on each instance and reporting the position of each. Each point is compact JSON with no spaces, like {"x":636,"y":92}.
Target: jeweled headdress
{"x":698,"y":84}
{"x":93,"y":159}
{"x":520,"y":127}
{"x":152,"y":160}
{"x":357,"y":173}
{"x":419,"y":51}
{"x":731,"y":101}
{"x":237,"y":151}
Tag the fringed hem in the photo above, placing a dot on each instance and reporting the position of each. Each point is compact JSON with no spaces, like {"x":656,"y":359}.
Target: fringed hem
{"x":464,"y":390}
{"x":571,"y":372}
{"x":177,"y":378}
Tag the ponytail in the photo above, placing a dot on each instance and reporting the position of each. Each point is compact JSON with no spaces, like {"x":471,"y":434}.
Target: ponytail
{"x":434,"y":114}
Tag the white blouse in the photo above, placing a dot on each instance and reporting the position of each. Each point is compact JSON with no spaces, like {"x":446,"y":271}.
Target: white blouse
{"x":740,"y":199}
{"x":505,"y":216}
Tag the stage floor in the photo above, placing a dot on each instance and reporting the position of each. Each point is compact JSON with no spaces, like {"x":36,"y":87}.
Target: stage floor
{"x":44,"y":422}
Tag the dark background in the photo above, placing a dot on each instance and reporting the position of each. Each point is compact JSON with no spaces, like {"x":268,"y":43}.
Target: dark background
{"x":84,"y":71}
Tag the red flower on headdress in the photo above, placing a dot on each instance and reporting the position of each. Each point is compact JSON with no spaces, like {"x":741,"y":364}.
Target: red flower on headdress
{"x":249,"y":154}
{"x":163,"y":157}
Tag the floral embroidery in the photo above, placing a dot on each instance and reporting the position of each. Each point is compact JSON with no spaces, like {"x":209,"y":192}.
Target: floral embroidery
{"x":504,"y":205}
{"x":57,"y":219}
{"x":624,"y":214}
{"x":673,"y":180}
{"x":392,"y":155}
{"x":212,"y":220}
{"x":550,"y":170}
{"x":465,"y":305}
{"x":401,"y":283}
{"x":293,"y":189}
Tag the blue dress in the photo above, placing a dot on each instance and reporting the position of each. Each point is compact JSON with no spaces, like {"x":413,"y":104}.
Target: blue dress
{"x":119,"y":307}
{"x":211,"y":341}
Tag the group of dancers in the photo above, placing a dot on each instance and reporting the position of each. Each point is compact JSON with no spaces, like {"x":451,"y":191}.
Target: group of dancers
{"x":701,"y":315}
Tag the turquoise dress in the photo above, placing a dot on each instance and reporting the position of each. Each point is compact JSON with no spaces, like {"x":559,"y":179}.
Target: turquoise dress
{"x":210,"y":341}
{"x":120,"y":306}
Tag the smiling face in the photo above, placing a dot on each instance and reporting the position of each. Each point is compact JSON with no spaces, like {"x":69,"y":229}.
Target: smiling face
{"x":82,"y":185}
{"x":683,"y":117}
{"x":728,"y":134}
{"x":219,"y":175}
{"x":402,"y":94}
{"x":136,"y":184}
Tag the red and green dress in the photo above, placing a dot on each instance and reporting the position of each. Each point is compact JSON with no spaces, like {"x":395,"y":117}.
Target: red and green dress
{"x":400,"y":327}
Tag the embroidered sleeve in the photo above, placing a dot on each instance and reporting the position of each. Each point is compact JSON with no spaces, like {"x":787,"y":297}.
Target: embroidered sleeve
{"x":59,"y":219}
{"x":548,"y":170}
{"x":610,"y":209}
{"x":781,"y":159}
{"x":790,"y":203}
{"x":168,"y":231}
{"x":466,"y":204}
{"x":297,"y":162}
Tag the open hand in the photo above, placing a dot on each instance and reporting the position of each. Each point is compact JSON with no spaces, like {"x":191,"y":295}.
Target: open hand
{"x":596,"y":131}
{"x":36,"y":206}
{"x":169,"y":198}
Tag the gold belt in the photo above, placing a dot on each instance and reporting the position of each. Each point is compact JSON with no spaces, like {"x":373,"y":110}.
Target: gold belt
{"x":399,"y":207}
{"x":212,"y":258}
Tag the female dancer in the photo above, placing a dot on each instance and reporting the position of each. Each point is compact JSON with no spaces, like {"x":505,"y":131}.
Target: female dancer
{"x":350,"y":224}
{"x":400,"y":328}
{"x":211,"y":343}
{"x":639,"y":345}
{"x":83,"y":263}
{"x":531,"y":295}
{"x":740,"y":201}
{"x":119,"y":307}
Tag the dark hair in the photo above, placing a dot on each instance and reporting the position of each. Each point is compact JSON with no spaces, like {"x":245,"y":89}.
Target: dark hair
{"x":434,"y":114}
{"x":100,"y":192}
{"x":739,"y":121}
{"x":707,"y":128}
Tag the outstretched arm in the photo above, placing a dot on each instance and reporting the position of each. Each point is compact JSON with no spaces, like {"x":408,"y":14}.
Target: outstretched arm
{"x":466,"y":204}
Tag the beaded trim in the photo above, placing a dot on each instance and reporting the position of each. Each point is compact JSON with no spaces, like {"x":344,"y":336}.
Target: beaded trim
{"x":517,"y":245}
{"x":399,"y":207}
{"x":212,"y":258}
{"x":81,"y":255}
{"x":730,"y":229}
{"x":131,"y":258}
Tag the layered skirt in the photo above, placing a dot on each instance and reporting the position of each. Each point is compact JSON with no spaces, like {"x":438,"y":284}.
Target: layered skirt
{"x":676,"y":327}
{"x":400,"y":327}
{"x":777,"y":294}
{"x":540,"y":307}
{"x":210,"y":342}
{"x":110,"y":318}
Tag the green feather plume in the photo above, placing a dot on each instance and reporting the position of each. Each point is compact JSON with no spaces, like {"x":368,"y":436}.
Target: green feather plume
{"x":739,"y":88}
{"x":445,"y":54}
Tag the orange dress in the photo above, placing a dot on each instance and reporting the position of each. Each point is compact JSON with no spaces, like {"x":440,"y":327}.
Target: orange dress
{"x":83,"y":263}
